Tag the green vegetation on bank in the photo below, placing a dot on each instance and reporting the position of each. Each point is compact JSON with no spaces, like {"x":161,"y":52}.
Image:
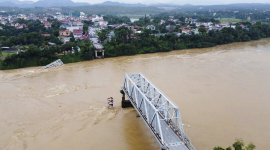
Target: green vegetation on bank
{"x":147,"y":42}
{"x":124,"y":44}
{"x":6,"y":54}
{"x":34,"y":56}
{"x":238,"y":145}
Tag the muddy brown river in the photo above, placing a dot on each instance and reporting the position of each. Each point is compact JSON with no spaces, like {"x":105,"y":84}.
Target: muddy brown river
{"x":223,"y":93}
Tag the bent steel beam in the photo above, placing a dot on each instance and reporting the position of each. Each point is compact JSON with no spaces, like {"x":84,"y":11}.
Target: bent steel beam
{"x":58,"y":62}
{"x":159,"y":113}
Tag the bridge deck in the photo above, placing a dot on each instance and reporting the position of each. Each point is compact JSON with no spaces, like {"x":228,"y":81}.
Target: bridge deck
{"x":160,"y":114}
{"x":171,"y":137}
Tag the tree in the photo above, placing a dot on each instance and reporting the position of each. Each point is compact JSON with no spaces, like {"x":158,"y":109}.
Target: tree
{"x":202,"y":30}
{"x":72,"y":39}
{"x":238,"y":146}
{"x":0,"y":51}
{"x":86,"y":52}
{"x":102,"y":35}
{"x":250,"y":146}
{"x":85,"y":28}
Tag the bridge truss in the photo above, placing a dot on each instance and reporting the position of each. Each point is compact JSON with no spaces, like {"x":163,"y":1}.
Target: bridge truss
{"x":159,"y":113}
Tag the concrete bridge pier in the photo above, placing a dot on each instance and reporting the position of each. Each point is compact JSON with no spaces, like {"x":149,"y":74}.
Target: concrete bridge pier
{"x":125,"y":103}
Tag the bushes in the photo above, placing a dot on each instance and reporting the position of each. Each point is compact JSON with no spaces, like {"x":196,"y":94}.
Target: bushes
{"x":237,"y":145}
{"x":34,"y":56}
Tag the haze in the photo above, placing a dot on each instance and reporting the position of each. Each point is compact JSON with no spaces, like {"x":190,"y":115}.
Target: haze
{"x":179,"y":2}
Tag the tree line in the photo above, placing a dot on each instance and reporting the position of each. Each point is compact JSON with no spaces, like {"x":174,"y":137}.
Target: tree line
{"x":147,"y":42}
{"x":41,"y":56}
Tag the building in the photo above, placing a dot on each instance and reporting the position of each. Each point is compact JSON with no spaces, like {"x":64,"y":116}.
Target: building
{"x":72,"y":28}
{"x":64,"y":39}
{"x":47,"y":24}
{"x":170,"y":28}
{"x":64,"y":33}
{"x":151,"y":27}
{"x":77,"y":33}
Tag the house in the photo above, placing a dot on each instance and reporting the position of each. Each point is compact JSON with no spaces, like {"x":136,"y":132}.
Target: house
{"x":18,"y":26}
{"x":45,"y":34}
{"x":151,"y":27}
{"x":24,"y":25}
{"x":254,"y":22}
{"x":77,"y":33}
{"x":72,"y":28}
{"x":47,"y":24}
{"x":64,"y":33}
{"x":185,"y":31}
{"x":170,"y":28}
{"x":162,"y":22}
{"x":102,"y":22}
{"x":192,"y":21}
{"x":65,"y":26}
{"x":64,"y":38}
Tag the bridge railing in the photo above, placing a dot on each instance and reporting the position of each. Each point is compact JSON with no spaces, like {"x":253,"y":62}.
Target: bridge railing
{"x":154,"y":107}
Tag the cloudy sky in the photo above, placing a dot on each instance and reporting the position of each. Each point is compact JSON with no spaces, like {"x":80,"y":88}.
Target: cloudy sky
{"x":181,"y":2}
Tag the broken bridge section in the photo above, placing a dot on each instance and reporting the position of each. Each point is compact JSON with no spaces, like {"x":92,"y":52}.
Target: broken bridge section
{"x":159,"y":113}
{"x":58,"y":62}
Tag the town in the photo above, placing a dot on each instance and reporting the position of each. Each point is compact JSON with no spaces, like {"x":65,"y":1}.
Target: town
{"x":62,"y":34}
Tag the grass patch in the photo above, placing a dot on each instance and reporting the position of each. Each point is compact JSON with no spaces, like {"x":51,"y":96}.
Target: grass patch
{"x":134,"y":16}
{"x":232,"y":20}
{"x":6,"y":54}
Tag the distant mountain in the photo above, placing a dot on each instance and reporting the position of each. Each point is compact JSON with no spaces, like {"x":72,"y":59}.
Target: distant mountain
{"x":186,"y":7}
{"x":7,"y":3}
{"x":110,"y":3}
{"x":51,"y":3}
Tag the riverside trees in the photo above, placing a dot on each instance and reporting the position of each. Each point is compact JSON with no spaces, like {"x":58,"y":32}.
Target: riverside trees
{"x":238,"y":145}
{"x":40,"y":56}
{"x":146,"y":42}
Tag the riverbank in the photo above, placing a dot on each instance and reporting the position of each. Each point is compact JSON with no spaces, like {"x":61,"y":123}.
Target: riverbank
{"x":70,"y":58}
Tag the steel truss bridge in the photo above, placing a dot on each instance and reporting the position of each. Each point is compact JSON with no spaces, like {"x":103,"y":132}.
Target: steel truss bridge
{"x":158,"y":112}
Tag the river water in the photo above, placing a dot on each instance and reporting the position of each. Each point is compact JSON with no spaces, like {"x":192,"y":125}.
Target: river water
{"x":223,"y":93}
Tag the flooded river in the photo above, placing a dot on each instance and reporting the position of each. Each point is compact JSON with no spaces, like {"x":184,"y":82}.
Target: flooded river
{"x":222,"y":92}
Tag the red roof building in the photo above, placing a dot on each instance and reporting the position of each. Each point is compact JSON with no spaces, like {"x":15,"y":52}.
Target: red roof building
{"x":78,"y":33}
{"x":64,"y":33}
{"x":45,"y":34}
{"x":47,"y":24}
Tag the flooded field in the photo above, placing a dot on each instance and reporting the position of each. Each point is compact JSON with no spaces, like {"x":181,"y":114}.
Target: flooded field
{"x":222,"y":92}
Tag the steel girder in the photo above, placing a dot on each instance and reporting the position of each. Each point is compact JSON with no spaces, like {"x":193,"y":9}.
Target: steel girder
{"x":157,"y":111}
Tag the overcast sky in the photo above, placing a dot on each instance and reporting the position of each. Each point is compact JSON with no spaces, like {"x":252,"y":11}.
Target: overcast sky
{"x":180,"y":2}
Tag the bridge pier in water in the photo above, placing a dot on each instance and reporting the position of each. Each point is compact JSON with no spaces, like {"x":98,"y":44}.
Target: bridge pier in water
{"x":125,"y":103}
